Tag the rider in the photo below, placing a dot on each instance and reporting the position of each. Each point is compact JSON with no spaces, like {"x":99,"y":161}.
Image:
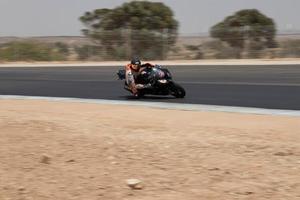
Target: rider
{"x":133,"y":69}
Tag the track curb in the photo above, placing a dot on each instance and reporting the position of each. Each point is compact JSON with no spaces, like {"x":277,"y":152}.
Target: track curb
{"x":162,"y":105}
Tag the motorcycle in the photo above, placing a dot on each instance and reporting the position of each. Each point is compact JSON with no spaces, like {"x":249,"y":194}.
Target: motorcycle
{"x":159,"y":79}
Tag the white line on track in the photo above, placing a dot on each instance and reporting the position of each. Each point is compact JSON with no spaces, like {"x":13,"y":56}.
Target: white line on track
{"x":162,"y":105}
{"x":239,"y":83}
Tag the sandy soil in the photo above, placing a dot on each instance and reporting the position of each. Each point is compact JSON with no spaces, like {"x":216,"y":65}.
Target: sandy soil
{"x":59,"y":151}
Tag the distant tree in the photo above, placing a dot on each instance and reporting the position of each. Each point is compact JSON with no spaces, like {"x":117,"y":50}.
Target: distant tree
{"x":142,"y":28}
{"x":246,"y":26}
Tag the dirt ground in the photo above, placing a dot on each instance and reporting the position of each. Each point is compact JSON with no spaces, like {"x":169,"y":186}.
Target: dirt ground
{"x":62,"y":151}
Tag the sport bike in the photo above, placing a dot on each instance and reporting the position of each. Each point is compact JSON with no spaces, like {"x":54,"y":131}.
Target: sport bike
{"x":158,"y":79}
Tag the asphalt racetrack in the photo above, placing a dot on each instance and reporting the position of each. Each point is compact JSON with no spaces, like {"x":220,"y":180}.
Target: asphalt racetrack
{"x":275,"y":87}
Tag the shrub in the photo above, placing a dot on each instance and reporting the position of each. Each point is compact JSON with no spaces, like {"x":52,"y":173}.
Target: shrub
{"x":221,"y":50}
{"x":290,"y":48}
{"x":29,"y":51}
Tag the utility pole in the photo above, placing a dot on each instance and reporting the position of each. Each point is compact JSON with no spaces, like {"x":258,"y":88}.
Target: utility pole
{"x":128,"y":41}
{"x":164,"y":43}
{"x":246,"y":30}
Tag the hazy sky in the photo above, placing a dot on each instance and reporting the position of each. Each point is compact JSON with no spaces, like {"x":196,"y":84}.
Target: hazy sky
{"x":60,"y":17}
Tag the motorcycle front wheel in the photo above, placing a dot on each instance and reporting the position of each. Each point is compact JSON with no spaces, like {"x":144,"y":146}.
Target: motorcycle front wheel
{"x":176,"y":90}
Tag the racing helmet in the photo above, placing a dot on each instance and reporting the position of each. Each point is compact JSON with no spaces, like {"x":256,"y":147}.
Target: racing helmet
{"x":136,"y":63}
